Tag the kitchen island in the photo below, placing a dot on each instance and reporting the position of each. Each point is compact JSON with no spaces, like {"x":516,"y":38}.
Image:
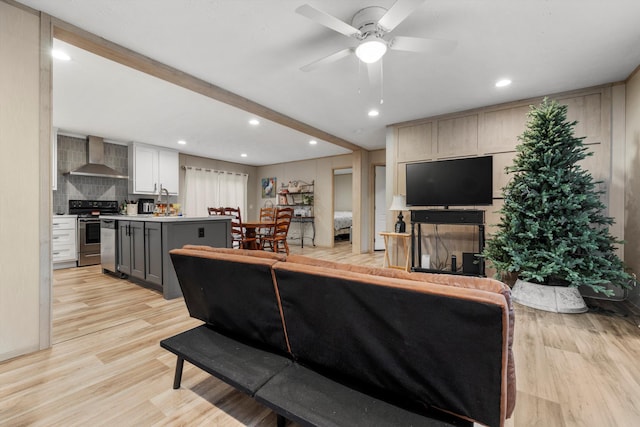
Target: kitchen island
{"x":142,"y":245}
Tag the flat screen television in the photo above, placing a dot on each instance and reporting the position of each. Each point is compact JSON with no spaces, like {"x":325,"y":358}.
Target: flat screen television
{"x":458,"y":182}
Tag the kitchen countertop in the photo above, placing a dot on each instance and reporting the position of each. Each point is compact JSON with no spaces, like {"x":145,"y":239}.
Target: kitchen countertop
{"x":64,"y":216}
{"x":151,"y":218}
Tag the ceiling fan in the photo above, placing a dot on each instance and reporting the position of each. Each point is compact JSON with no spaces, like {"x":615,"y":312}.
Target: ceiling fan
{"x":371,"y":27}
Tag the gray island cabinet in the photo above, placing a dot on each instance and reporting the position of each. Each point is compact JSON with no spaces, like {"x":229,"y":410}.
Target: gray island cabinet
{"x":143,"y":244}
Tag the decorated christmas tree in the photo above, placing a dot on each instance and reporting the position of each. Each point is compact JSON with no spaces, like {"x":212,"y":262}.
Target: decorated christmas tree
{"x":552,"y":228}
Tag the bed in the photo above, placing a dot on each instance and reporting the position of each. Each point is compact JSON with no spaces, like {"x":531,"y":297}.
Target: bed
{"x":342,"y":221}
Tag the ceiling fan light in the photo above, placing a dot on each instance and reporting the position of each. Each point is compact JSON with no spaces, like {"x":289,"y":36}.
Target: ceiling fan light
{"x":370,"y":51}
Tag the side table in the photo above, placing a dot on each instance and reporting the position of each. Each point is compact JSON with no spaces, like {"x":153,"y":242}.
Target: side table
{"x":405,"y":238}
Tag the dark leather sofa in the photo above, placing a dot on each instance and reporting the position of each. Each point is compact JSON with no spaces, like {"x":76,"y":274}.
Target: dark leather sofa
{"x":325,"y":343}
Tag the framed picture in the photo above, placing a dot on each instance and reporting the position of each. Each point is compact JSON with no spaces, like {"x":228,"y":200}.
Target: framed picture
{"x":269,"y":188}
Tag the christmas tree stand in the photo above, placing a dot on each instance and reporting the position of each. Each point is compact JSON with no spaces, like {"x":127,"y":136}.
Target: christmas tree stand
{"x":557,"y":299}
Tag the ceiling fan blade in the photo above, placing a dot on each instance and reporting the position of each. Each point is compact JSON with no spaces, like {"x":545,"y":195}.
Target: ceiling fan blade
{"x":415,"y":44}
{"x":327,"y":59}
{"x":398,"y":13}
{"x":327,"y":20}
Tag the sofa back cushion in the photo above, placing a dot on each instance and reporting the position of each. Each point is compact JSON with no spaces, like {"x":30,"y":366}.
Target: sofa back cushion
{"x":433,"y":345}
{"x":233,"y":293}
{"x":470,"y":282}
{"x":490,"y":285}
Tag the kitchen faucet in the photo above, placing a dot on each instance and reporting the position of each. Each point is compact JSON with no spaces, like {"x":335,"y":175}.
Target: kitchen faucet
{"x":166,"y":192}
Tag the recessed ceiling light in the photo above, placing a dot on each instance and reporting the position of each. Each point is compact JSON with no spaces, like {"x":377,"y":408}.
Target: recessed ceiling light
{"x":503,"y":83}
{"x":313,"y":142}
{"x":182,"y":142}
{"x":58,"y":54}
{"x":373,"y":113}
{"x":243,"y":155}
{"x":254,"y":122}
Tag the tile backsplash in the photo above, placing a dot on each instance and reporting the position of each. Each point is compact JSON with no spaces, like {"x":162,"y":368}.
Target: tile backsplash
{"x":72,"y":153}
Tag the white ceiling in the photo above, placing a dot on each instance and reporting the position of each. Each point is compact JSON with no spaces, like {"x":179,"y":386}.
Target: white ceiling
{"x":96,"y":96}
{"x":255,"y":48}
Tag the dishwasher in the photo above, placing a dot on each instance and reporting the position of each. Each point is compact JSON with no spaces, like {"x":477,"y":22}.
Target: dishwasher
{"x":108,"y":245}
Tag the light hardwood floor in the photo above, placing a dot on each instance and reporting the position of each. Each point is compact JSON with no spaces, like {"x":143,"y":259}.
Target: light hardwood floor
{"x":106,"y":367}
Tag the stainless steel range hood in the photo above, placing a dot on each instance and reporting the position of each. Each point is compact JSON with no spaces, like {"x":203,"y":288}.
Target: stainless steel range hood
{"x":95,"y":162}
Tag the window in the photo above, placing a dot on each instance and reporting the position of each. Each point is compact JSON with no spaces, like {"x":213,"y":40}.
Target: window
{"x":206,"y":188}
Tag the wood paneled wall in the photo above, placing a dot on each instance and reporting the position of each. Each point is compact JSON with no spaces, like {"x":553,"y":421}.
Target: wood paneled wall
{"x":25,"y":173}
{"x":321,"y":171}
{"x":632,"y":179}
{"x":494,"y":131}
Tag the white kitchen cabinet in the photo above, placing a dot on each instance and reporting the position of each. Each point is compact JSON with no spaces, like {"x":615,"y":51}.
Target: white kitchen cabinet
{"x":143,"y":169}
{"x":151,"y":167}
{"x":169,"y":170}
{"x":64,"y":241}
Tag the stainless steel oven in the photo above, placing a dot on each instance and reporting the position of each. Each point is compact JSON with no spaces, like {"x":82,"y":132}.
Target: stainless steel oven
{"x":88,"y":212}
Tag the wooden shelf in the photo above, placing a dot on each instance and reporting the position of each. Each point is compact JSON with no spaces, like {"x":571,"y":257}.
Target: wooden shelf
{"x":302,"y":211}
{"x":301,"y":201}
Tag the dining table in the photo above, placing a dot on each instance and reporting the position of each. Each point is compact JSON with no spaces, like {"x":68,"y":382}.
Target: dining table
{"x":250,"y":233}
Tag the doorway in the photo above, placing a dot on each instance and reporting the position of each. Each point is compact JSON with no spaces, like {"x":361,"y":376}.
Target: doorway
{"x":342,"y":204}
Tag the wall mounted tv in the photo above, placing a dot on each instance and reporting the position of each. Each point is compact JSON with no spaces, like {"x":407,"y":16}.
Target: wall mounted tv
{"x":458,"y":182}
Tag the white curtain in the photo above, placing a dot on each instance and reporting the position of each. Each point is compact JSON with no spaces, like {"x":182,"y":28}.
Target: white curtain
{"x":206,"y":188}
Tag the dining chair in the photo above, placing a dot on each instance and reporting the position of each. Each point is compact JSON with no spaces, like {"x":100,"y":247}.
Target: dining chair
{"x":280,"y":230}
{"x":215,"y":211}
{"x":237,"y":231}
{"x":267,"y":214}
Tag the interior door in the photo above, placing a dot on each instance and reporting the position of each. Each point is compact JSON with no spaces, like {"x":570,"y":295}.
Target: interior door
{"x":380,"y":207}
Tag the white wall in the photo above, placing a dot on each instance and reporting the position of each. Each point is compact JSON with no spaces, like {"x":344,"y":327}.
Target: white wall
{"x":25,"y":268}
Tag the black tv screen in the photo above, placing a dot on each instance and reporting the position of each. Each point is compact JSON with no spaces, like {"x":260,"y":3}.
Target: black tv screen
{"x":458,"y":182}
